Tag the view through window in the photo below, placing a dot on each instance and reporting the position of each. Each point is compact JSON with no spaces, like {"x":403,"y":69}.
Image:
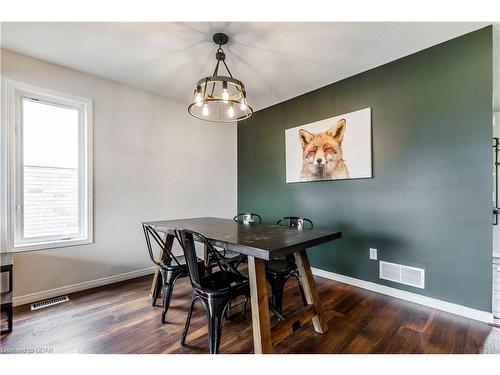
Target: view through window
{"x":50,"y":169}
{"x":50,"y":176}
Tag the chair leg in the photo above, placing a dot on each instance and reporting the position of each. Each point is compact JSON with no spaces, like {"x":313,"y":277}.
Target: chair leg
{"x":244,"y":308}
{"x":157,"y":291}
{"x":215,"y":308}
{"x":302,"y":295}
{"x":188,"y":321}
{"x":277,"y":315}
{"x":168,"y":287}
{"x":8,"y":310}
{"x":10,"y":320}
{"x":277,"y":287}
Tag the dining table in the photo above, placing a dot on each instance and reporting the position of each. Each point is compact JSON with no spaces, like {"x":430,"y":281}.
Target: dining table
{"x":260,"y":243}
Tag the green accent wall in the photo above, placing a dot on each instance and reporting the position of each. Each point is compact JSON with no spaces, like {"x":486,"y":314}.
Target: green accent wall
{"x":429,"y":203}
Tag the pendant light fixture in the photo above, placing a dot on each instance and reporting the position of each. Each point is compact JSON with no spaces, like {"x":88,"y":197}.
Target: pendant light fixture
{"x":220,"y":98}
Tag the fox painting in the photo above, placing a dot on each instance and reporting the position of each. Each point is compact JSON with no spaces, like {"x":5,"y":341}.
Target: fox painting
{"x":322,"y":157}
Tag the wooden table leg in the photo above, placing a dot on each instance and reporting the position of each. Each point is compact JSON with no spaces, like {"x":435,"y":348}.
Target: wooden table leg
{"x":312,"y":297}
{"x":260,"y":309}
{"x":205,"y":255}
{"x":169,"y":241}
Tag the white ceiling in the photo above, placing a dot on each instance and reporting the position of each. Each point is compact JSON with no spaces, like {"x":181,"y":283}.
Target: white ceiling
{"x":276,"y":61}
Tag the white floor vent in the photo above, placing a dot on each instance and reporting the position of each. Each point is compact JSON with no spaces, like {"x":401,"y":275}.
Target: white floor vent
{"x":402,"y":274}
{"x":49,"y":302}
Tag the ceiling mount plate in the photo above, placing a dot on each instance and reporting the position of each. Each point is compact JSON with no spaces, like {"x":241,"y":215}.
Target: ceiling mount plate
{"x":220,"y":39}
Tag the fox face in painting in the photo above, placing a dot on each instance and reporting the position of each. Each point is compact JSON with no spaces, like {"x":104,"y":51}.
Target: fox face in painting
{"x":322,"y":157}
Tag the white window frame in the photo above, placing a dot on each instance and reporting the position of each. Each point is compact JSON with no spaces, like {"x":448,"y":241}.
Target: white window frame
{"x":12,"y":189}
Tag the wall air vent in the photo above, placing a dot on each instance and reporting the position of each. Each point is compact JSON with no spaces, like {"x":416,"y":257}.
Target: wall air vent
{"x":49,"y":302}
{"x":402,"y":274}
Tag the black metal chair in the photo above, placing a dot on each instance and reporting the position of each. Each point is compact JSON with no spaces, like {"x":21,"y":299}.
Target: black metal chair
{"x":278,"y":271}
{"x":245,"y":218}
{"x":248,"y":218}
{"x":214,"y":290}
{"x":296,"y":222}
{"x":171,"y":268}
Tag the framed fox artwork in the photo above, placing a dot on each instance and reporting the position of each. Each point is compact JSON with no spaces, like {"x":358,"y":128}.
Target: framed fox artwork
{"x":337,"y":148}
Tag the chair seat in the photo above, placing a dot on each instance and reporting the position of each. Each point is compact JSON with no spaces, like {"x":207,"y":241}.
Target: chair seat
{"x":280,"y":266}
{"x":230,"y":254}
{"x":232,"y":257}
{"x":171,"y":263}
{"x":216,"y":282}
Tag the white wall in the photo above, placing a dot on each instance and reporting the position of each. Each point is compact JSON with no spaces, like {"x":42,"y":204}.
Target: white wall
{"x":151,"y":161}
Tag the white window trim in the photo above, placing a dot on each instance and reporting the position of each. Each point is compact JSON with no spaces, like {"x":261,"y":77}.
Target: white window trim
{"x":8,"y":147}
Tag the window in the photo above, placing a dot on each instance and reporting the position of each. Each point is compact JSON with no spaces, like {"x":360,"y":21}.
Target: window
{"x":49,"y":153}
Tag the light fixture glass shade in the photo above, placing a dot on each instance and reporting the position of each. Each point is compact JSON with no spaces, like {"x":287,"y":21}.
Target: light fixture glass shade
{"x":220,"y":99}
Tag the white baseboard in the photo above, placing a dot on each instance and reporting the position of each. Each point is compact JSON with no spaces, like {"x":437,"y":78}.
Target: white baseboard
{"x":482,"y":316}
{"x":33,"y":297}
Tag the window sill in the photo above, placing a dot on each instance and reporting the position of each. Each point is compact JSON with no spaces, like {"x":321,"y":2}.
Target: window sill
{"x":51,"y":245}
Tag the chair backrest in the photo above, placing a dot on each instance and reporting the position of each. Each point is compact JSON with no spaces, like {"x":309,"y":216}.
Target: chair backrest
{"x":296,"y":222}
{"x":149,"y":232}
{"x":248,"y":218}
{"x":187,"y":240}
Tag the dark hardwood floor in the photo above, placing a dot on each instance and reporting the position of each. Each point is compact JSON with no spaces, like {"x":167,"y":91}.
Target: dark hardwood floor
{"x":118,"y":318}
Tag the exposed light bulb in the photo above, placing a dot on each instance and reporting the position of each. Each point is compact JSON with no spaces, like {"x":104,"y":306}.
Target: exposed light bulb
{"x":199,"y":100}
{"x":225,"y":93}
{"x":205,"y":110}
{"x":230,"y":111}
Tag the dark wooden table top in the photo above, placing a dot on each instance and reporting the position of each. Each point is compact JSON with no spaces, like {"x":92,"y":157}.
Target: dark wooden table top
{"x":258,"y":240}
